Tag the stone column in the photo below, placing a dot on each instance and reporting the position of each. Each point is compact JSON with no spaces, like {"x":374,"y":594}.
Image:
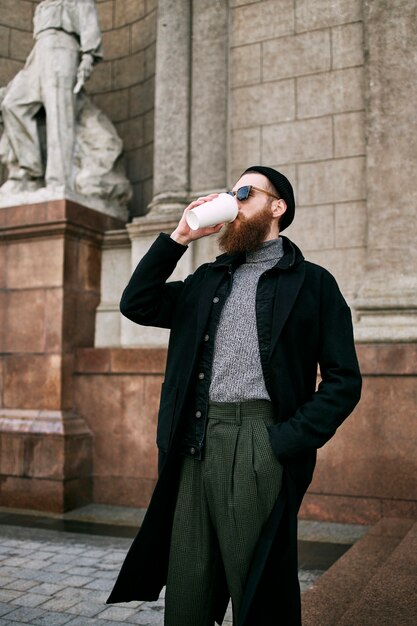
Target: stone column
{"x":386,"y":302}
{"x":172,"y":106}
{"x":209,"y":138}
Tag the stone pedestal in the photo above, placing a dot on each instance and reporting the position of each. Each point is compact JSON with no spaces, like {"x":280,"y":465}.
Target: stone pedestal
{"x":49,"y":289}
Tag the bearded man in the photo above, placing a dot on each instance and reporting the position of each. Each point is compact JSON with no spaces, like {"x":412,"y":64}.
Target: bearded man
{"x":240,"y":417}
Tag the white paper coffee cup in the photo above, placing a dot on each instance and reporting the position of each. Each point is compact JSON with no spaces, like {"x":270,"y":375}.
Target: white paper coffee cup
{"x":222,"y":209}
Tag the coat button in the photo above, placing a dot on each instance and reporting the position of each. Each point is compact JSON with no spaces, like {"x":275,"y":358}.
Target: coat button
{"x":201,"y":375}
{"x":192,"y":451}
{"x":216,"y":299}
{"x":206,"y":337}
{"x":198,"y":414}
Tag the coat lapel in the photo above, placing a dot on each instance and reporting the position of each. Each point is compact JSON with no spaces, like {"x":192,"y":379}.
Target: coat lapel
{"x":288,"y":287}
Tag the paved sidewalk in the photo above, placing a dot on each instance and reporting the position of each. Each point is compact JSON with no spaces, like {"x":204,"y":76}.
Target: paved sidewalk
{"x":50,"y":577}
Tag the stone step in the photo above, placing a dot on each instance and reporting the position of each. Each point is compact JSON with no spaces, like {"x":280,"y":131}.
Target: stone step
{"x":390,"y":597}
{"x":347,"y":588}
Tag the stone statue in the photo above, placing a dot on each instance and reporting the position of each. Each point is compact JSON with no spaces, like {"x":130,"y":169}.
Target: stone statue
{"x":54,"y":136}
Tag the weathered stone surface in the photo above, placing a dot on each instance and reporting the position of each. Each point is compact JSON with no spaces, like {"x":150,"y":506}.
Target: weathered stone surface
{"x":21,"y":43}
{"x":322,"y":13}
{"x":350,"y":225}
{"x":127,"y":11}
{"x":143,"y":32}
{"x":339,"y":180}
{"x":17,"y":14}
{"x":349,"y":134}
{"x":142,"y":97}
{"x":245,"y":65}
{"x":4,"y":41}
{"x":331,"y":92}
{"x":101,"y":79}
{"x":313,"y":228}
{"x":347,"y":45}
{"x":246,"y":147}
{"x":128,"y":71}
{"x":268,"y":19}
{"x":27,"y":267}
{"x":272,"y":102}
{"x":105,"y":14}
{"x":172,"y":106}
{"x":8,"y":69}
{"x":288,"y":139}
{"x":116,"y":43}
{"x":296,"y":55}
{"x":209,"y":109}
{"x":115,"y":104}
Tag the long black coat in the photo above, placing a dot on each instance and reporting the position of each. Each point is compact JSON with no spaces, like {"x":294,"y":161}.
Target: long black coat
{"x":308,"y":324}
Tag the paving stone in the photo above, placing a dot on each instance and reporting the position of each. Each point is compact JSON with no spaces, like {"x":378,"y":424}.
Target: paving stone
{"x":48,"y":589}
{"x":82,"y":571}
{"x":87,"y":561}
{"x":89,"y":609}
{"x":12,"y":572}
{"x":16,"y":561}
{"x":100,"y":584}
{"x":43,"y":577}
{"x":5,"y":608}
{"x":117,"y":613}
{"x":63,"y":558}
{"x":66,"y":596}
{"x":79,"y":593}
{"x":25,"y":614}
{"x":110,"y":573}
{"x":52,"y":619}
{"x":21,"y":585}
{"x":77,"y":581}
{"x":6,"y":595}
{"x":58,"y":604}
{"x":30,"y":599}
{"x":57,"y":567}
{"x":84,"y":621}
{"x":148,"y":618}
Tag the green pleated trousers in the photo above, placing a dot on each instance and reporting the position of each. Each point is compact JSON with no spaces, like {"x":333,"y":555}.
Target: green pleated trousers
{"x":223,"y":502}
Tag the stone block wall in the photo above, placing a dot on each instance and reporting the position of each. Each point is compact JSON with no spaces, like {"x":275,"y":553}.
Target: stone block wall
{"x":297,"y":104}
{"x":123,"y":86}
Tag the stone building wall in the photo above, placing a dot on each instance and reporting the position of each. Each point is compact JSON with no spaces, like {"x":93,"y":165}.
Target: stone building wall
{"x":297,"y":104}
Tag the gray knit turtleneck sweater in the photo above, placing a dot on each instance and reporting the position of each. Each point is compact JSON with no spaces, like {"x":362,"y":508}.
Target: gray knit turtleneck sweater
{"x":237,"y":371}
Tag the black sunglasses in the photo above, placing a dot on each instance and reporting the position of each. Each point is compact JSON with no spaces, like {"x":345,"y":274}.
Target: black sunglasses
{"x":243,"y":193}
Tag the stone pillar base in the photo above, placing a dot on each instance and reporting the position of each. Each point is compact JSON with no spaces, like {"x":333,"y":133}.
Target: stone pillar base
{"x":385,"y":317}
{"x":46,"y":460}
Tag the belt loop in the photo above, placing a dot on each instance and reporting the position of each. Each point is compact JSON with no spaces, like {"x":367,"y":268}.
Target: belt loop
{"x":239,"y":413}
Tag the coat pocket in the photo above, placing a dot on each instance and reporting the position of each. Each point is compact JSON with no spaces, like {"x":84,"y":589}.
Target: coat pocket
{"x":166,"y":416}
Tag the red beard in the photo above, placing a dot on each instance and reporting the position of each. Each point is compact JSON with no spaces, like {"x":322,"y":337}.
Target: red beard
{"x":245,"y":235}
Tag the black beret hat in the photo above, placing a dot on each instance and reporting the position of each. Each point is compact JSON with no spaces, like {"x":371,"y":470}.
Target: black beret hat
{"x":284,"y":189}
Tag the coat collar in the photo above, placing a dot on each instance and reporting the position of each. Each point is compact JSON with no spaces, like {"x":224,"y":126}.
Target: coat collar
{"x":292,"y":257}
{"x":288,"y":286}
